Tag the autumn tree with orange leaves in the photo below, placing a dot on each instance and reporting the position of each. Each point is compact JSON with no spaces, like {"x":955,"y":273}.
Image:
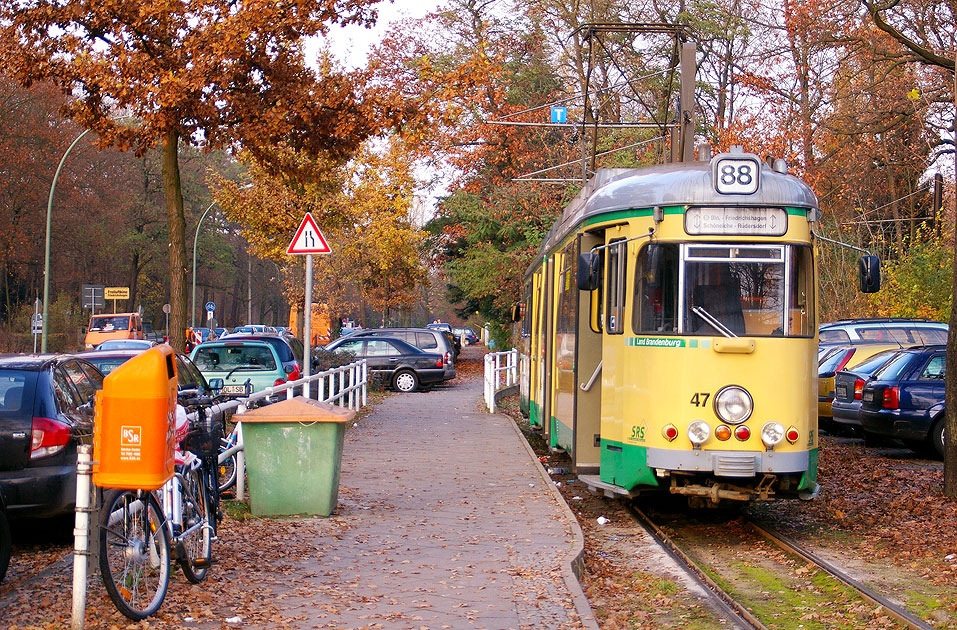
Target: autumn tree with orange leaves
{"x":214,"y":73}
{"x":926,"y":32}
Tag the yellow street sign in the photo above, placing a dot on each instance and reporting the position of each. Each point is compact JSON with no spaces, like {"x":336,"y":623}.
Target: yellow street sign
{"x":116,"y":293}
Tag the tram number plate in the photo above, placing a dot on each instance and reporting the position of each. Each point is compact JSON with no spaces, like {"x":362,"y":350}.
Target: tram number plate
{"x":869,"y":396}
{"x":841,"y":391}
{"x":234,"y":390}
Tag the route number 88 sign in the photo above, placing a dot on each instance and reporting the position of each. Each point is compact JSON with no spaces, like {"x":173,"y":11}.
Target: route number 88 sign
{"x":737,"y":175}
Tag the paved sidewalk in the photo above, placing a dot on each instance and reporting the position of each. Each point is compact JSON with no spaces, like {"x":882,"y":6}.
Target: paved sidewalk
{"x":451,"y":523}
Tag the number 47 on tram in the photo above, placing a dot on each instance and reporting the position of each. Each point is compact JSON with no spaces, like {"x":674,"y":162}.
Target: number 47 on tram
{"x":669,"y":339}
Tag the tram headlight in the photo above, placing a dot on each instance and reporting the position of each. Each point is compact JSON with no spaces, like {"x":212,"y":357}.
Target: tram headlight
{"x":698,"y":432}
{"x":733,"y":404}
{"x":772,"y":433}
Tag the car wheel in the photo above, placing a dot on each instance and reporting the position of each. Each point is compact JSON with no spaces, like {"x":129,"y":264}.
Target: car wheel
{"x":405,"y":381}
{"x":936,"y":437}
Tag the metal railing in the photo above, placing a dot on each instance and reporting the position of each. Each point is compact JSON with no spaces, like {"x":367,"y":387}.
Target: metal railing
{"x":499,"y":376}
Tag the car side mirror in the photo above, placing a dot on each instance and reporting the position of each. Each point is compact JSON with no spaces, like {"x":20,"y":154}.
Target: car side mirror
{"x":588,"y":271}
{"x":869,"y":270}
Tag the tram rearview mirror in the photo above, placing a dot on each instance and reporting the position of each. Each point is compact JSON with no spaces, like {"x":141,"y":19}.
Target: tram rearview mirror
{"x":869,"y":268}
{"x":589,"y":265}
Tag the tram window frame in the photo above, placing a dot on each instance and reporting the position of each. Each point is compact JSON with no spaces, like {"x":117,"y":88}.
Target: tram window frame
{"x":527,"y":316}
{"x":567,"y":290}
{"x":664,"y":280}
{"x":617,"y":257}
{"x":796,"y":277}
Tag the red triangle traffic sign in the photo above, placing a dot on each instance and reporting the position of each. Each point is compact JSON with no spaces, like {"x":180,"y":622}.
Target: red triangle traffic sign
{"x":308,"y":239}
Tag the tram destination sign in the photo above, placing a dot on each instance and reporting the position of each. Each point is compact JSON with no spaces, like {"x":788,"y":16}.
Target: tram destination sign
{"x":704,"y":220}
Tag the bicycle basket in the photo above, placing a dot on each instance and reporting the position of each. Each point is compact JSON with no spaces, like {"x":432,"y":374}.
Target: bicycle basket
{"x":204,"y":437}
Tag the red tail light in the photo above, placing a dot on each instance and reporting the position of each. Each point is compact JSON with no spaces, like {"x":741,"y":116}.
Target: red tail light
{"x":448,"y":357}
{"x":279,"y":381}
{"x":792,"y":435}
{"x":438,"y":362}
{"x":294,"y":375}
{"x":891,"y":398}
{"x":858,"y":388}
{"x":49,"y":437}
{"x":742,"y":432}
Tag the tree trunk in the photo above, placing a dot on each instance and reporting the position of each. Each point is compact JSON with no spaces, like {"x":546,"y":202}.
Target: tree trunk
{"x":950,"y":390}
{"x":176,"y":222}
{"x":134,"y":274}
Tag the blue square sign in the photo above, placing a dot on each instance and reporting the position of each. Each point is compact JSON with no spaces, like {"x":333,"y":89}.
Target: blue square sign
{"x":559,"y":115}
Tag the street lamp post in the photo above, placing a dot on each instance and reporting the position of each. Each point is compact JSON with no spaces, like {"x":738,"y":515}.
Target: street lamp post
{"x":44,"y":325}
{"x":192,"y":312}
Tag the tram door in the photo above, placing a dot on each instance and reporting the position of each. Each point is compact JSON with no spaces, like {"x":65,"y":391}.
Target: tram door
{"x":588,"y":362}
{"x":548,"y":348}
{"x":612,"y":317}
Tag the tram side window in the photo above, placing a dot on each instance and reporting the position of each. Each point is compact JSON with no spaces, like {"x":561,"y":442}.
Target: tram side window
{"x":802,"y":296}
{"x":656,"y":289}
{"x":527,"y":318}
{"x":617,"y":255}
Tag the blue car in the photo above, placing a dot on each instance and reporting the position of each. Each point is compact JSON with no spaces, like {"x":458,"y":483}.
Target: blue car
{"x":905,"y":399}
{"x":849,"y":387}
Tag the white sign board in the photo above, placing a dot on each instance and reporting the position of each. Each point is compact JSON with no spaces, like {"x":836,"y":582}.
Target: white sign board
{"x":308,"y":239}
{"x":736,"y":220}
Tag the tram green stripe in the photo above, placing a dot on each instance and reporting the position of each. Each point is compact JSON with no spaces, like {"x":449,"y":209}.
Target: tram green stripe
{"x":625,"y":465}
{"x":647,"y":212}
{"x":809,"y":479}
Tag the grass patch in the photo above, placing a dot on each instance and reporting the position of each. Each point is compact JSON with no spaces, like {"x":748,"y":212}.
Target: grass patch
{"x":236,"y":510}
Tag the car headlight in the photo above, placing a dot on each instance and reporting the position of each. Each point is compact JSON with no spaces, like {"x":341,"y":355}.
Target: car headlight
{"x":698,"y":432}
{"x":733,"y":404}
{"x":772,"y":433}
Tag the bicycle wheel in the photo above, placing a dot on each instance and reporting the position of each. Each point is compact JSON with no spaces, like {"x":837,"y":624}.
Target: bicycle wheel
{"x":134,"y":552}
{"x":227,"y":474}
{"x":197,"y":530}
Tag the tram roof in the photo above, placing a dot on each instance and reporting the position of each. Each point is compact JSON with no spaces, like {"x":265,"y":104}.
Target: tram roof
{"x":679,"y":184}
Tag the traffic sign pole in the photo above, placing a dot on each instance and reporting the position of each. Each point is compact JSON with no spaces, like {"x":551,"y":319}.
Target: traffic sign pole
{"x":307,"y":324}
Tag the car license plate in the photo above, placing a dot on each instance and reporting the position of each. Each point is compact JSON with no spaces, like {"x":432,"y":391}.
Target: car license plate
{"x":235,"y":390}
{"x":841,"y":391}
{"x":868,"y":396}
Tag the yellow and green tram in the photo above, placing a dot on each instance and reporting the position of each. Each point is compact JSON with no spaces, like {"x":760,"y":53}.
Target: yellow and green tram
{"x":669,"y":336}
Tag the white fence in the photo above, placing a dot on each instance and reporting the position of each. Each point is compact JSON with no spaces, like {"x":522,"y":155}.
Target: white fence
{"x":501,"y":371}
{"x":346,"y":386}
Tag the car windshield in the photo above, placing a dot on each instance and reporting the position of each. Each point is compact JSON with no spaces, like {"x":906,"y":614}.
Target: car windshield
{"x":230,"y":357}
{"x":874,"y":362}
{"x":106,"y":323}
{"x":831,"y":361}
{"x":895,"y":367}
{"x":107,"y":364}
{"x":124,"y":344}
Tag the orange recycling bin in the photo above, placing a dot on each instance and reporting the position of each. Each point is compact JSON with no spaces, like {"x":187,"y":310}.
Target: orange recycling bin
{"x":133,"y":443}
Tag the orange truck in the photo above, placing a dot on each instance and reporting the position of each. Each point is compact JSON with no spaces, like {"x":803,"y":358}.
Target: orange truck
{"x":321,"y":323}
{"x":113,"y":326}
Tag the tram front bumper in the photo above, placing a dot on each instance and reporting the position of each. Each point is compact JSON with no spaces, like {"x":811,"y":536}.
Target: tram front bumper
{"x":728,"y":463}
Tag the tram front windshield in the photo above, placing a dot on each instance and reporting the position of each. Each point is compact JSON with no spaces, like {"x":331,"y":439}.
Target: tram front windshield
{"x":724,"y":290}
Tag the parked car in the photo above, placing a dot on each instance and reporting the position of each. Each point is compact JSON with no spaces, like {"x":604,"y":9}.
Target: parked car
{"x":239,"y":361}
{"x":289,"y":349}
{"x":400,"y":364}
{"x":425,"y":339}
{"x":126,"y":344}
{"x":467,"y":334}
{"x":842,"y":357}
{"x":191,"y":382}
{"x":46,"y":412}
{"x":447,"y":329}
{"x":905,"y":399}
{"x":901,"y":330}
{"x":848,"y":388}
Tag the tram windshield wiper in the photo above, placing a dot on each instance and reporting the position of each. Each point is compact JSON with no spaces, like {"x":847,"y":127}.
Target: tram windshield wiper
{"x":713,"y":321}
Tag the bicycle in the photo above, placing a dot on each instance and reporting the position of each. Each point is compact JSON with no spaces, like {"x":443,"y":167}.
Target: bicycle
{"x":140,"y":533}
{"x":227,"y":463}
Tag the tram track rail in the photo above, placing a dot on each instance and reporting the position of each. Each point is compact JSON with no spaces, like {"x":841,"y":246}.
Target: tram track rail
{"x":739,"y":613}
